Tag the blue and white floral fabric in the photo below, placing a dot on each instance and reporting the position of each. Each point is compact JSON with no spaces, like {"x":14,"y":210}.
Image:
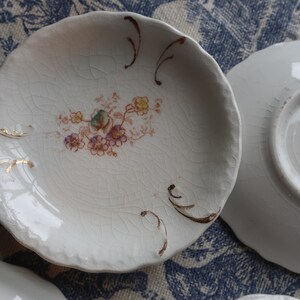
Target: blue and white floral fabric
{"x":217,"y":266}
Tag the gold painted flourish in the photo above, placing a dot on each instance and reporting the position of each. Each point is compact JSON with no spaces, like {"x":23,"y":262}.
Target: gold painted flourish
{"x":159,"y":222}
{"x":182,"y":208}
{"x":13,"y":134}
{"x":14,"y":162}
{"x":136,"y":49}
{"x":162,"y":59}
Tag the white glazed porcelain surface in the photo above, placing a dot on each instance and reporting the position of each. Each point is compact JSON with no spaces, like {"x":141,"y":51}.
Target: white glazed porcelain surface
{"x":264,"y":207}
{"x":20,"y":284}
{"x":266,"y":297}
{"x":97,"y":196}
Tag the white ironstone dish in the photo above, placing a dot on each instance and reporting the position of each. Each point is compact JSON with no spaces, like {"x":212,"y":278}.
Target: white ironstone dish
{"x":266,"y":297}
{"x":264,"y":207}
{"x":20,"y":284}
{"x":120,"y":142}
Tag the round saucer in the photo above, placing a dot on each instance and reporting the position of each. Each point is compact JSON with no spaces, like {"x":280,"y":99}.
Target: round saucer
{"x":264,"y":207}
{"x":119,"y":142}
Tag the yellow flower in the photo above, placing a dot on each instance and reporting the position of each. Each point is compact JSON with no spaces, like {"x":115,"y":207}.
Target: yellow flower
{"x":76,"y":117}
{"x":141,"y":105}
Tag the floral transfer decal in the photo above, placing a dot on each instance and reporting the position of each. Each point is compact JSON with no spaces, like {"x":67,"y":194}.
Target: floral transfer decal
{"x":110,"y":126}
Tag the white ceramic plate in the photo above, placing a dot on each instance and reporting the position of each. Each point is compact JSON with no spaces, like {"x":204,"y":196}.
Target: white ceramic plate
{"x":266,"y":297}
{"x":264,"y":207}
{"x":20,"y":284}
{"x":123,"y":115}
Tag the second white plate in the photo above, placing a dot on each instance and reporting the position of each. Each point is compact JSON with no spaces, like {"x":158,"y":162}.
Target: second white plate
{"x":21,"y":284}
{"x":264,"y":207}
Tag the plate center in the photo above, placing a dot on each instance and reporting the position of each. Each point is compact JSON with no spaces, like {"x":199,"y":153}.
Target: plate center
{"x":285,"y":142}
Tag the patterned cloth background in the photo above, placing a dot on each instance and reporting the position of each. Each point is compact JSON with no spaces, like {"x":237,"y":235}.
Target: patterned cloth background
{"x":217,"y":266}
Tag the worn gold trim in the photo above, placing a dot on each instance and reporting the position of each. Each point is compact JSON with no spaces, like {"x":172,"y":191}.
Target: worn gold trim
{"x":170,"y":189}
{"x":13,"y":134}
{"x":14,"y":162}
{"x":182,"y":208}
{"x":159,"y":222}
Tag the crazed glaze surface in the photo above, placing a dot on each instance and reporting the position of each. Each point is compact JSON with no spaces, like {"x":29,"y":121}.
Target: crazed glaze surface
{"x":20,"y":284}
{"x":264,"y":207}
{"x":80,"y":208}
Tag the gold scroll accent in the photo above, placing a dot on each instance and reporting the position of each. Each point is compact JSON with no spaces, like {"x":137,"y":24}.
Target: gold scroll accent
{"x":13,"y":134}
{"x":182,"y":209}
{"x":14,"y":162}
{"x":159,"y":222}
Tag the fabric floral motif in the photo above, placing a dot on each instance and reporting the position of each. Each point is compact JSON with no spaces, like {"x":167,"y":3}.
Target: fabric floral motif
{"x":108,"y":127}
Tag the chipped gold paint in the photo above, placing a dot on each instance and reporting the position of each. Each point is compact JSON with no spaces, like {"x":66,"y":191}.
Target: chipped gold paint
{"x":14,"y":134}
{"x":13,"y":163}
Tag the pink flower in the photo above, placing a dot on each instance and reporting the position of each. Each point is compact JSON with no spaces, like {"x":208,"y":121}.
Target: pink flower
{"x":85,"y":131}
{"x":157,"y":105}
{"x":97,"y":145}
{"x":74,"y":142}
{"x":62,"y":118}
{"x":116,"y":136}
{"x":115,"y":96}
